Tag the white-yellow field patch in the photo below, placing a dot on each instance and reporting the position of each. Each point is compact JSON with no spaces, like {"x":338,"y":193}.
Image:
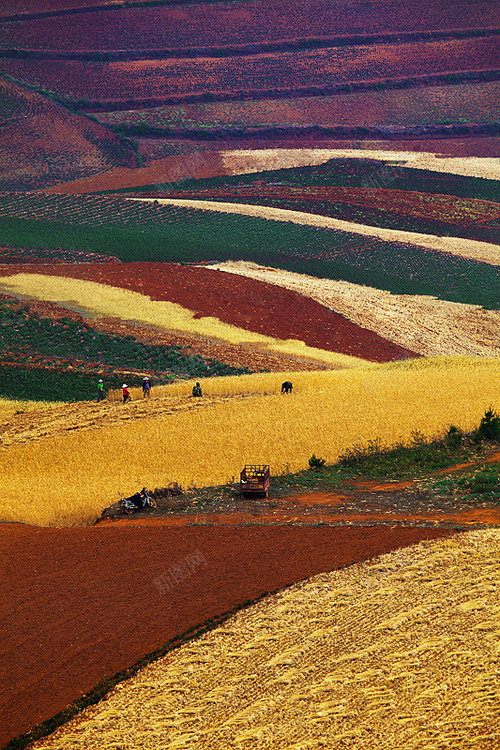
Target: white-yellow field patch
{"x":422,"y":324}
{"x":245,"y":161}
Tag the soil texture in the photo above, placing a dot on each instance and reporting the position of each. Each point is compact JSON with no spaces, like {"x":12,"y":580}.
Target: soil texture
{"x":81,"y":604}
{"x":243,"y":302}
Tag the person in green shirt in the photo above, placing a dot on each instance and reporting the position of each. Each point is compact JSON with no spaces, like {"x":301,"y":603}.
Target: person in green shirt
{"x":100,"y":391}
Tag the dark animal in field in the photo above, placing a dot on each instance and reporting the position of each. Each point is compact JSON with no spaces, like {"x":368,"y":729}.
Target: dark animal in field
{"x":286,"y":387}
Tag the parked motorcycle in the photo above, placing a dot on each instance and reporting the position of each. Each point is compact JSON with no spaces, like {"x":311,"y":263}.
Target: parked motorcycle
{"x":137,"y":502}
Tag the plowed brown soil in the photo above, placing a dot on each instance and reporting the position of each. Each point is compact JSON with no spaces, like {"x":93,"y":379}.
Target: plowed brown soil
{"x":80,"y":604}
{"x":43,"y":143}
{"x":90,"y":602}
{"x":237,"y":300}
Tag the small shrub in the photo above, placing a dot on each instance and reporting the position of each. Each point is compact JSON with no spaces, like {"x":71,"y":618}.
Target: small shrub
{"x":489,"y":427}
{"x":454,"y":437}
{"x":316,"y":463}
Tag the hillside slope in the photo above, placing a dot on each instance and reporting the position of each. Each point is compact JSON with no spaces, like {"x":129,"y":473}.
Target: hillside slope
{"x":42,"y":143}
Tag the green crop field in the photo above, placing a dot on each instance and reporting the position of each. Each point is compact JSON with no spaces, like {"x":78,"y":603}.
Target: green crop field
{"x":132,"y":231}
{"x":61,"y":360}
{"x":358,"y":173}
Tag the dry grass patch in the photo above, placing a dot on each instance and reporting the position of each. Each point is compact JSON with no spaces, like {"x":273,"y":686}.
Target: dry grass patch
{"x":67,"y":478}
{"x":258,"y":160}
{"x":425,"y":325}
{"x":465,"y":248}
{"x":397,"y":652}
{"x":10,"y":408}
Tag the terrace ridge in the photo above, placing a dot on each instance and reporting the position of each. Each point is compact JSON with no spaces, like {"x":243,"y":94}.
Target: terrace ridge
{"x":248,"y":49}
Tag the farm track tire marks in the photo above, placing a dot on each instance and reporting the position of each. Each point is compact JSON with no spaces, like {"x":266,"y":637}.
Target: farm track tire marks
{"x":59,"y":419}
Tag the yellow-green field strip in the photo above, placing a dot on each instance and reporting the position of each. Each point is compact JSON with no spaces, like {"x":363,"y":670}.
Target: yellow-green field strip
{"x":92,"y":298}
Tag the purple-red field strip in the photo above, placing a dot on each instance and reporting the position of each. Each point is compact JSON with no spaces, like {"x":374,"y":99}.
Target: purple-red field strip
{"x":477,"y":102}
{"x":219,"y":24}
{"x":258,"y":74}
{"x":317,"y":199}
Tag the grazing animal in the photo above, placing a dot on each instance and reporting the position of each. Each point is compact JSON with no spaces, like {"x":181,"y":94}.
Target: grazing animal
{"x":286,"y":387}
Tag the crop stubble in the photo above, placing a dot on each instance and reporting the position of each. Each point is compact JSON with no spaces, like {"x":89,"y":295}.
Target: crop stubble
{"x":426,"y":325}
{"x":396,"y":651}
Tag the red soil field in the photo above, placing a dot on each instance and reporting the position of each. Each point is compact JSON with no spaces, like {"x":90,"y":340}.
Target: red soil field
{"x":475,"y":102}
{"x":81,"y":604}
{"x":222,"y":23}
{"x":13,"y":7}
{"x":42,"y":142}
{"x":157,"y":80}
{"x":173,"y":168}
{"x":246,"y":303}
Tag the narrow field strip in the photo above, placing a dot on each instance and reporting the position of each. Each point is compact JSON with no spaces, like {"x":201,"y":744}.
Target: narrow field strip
{"x":426,"y":325}
{"x":479,"y":251}
{"x":92,"y":298}
{"x":259,"y":160}
{"x":399,"y":651}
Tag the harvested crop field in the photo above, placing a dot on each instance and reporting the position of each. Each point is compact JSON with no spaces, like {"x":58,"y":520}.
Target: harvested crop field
{"x":246,"y":303}
{"x":444,"y":328}
{"x":97,"y":607}
{"x":408,"y":210}
{"x":402,"y":646}
{"x":470,"y":157}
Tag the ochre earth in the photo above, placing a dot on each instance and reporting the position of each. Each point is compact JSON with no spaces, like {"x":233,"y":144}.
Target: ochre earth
{"x":81,"y":604}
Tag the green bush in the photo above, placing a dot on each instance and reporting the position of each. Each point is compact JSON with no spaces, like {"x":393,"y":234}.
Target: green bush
{"x":489,"y":427}
{"x":316,"y":463}
{"x":454,"y":437}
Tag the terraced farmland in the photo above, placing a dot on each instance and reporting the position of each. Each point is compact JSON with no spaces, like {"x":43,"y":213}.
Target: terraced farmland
{"x":397,"y":209}
{"x":130,"y":231}
{"x":42,"y":143}
{"x":153,"y":28}
{"x":257,"y":76}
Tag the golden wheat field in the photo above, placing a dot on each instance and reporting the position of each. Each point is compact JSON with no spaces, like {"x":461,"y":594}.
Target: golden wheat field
{"x":400,"y":651}
{"x":423,"y":324}
{"x":67,"y":476}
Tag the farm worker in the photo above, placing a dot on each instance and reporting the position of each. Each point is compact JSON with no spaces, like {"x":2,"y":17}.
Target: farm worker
{"x":100,"y":391}
{"x":146,"y":387}
{"x":197,"y":390}
{"x":126,"y":393}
